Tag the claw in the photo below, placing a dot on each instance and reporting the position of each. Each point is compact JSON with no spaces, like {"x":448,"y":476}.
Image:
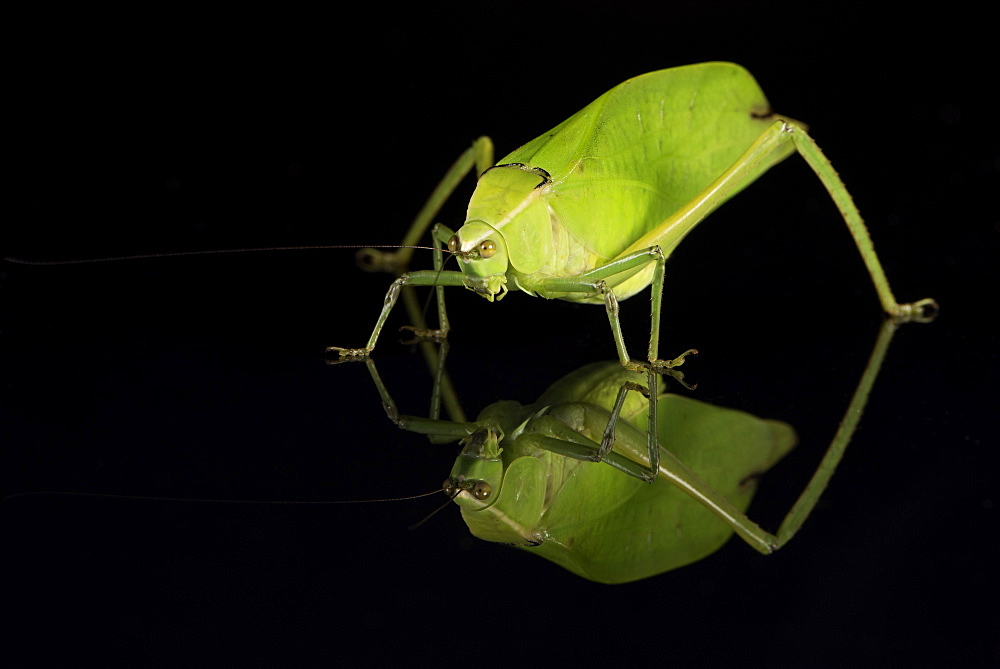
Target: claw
{"x":346,"y":354}
{"x":661,"y":366}
{"x":678,"y":376}
{"x":425,"y":334}
{"x":665,"y":367}
{"x":921,"y":311}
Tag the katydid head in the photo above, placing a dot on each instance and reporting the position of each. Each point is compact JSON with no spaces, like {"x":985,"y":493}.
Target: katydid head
{"x":478,"y":472}
{"x":482,"y":253}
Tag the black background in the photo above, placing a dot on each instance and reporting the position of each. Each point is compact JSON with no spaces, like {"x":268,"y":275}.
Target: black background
{"x":202,"y":377}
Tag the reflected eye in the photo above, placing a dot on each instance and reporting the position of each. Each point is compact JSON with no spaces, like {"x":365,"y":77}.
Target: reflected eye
{"x":453,"y":244}
{"x":487,"y":249}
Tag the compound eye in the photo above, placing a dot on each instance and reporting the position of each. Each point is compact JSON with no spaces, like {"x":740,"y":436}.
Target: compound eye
{"x":482,"y":490}
{"x":487,"y":249}
{"x":453,"y":244}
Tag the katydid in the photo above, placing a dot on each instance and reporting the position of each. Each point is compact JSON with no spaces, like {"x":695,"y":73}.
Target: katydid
{"x":589,"y":211}
{"x":537,"y":476}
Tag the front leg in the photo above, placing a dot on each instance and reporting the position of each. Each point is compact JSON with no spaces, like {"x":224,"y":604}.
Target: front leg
{"x":418,"y":278}
{"x":441,"y":235}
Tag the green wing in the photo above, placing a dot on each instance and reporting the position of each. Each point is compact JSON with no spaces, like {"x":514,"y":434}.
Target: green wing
{"x":644,"y":149}
{"x":612,"y":528}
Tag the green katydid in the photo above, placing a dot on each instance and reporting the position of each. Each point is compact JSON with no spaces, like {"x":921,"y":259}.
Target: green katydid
{"x":537,"y":476}
{"x":590,"y":210}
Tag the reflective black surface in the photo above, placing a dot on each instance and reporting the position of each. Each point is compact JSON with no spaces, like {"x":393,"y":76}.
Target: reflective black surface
{"x":203,"y":377}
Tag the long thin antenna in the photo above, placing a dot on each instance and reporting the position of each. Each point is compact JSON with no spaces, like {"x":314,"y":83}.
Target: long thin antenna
{"x":152,"y":498}
{"x":175,"y":254}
